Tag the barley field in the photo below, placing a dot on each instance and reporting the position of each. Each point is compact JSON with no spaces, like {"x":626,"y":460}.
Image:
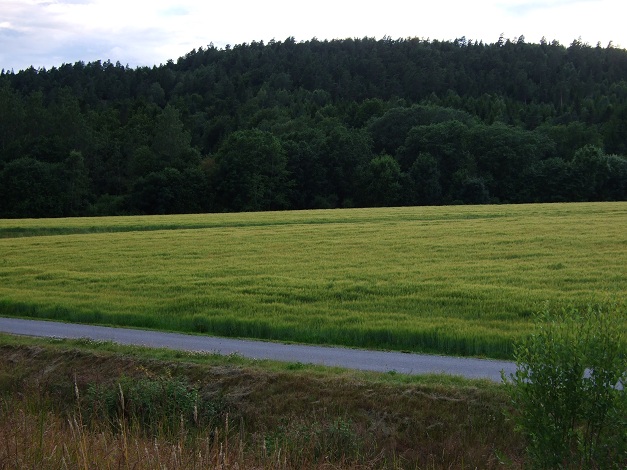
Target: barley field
{"x":460,"y":280}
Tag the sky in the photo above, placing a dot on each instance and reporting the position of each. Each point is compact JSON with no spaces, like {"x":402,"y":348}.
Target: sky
{"x":47,"y":33}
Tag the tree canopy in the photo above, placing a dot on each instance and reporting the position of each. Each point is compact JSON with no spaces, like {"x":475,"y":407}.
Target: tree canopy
{"x":317,"y":124}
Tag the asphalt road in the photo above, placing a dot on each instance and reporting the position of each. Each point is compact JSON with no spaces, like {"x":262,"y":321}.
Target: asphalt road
{"x":380,"y":361}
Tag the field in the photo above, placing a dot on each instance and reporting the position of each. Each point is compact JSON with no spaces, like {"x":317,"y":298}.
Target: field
{"x":455,"y":280}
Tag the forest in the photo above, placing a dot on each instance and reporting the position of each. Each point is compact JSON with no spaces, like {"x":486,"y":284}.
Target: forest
{"x":317,"y":124}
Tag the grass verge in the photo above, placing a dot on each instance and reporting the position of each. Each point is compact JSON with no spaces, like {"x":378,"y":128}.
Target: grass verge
{"x":97,"y":405}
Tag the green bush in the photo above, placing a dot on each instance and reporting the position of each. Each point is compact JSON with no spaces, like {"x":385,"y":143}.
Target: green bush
{"x":568,"y":390}
{"x":156,"y":406}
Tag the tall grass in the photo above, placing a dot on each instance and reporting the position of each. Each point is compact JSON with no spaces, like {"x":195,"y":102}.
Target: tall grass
{"x":455,"y":280}
{"x":36,"y":440}
{"x":80,"y":408}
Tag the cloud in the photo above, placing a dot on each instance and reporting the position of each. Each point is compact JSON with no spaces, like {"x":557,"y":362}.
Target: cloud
{"x":521,"y":8}
{"x":176,"y":10}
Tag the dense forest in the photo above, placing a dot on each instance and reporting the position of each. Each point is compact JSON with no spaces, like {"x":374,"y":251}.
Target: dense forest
{"x":317,"y":124}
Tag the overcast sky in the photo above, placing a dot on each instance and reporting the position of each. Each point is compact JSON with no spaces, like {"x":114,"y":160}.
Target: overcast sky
{"x":46,"y":33}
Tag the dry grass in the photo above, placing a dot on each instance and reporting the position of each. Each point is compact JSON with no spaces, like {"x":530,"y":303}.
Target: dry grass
{"x":271,"y":419}
{"x":31,"y":440}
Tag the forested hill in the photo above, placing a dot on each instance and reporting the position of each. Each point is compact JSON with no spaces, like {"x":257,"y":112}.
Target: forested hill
{"x":317,"y":124}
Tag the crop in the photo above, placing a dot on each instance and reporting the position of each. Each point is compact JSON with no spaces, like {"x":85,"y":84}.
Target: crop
{"x":456,"y":280}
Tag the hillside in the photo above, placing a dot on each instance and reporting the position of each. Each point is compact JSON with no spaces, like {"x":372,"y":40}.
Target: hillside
{"x":184,"y":411}
{"x":317,"y":124}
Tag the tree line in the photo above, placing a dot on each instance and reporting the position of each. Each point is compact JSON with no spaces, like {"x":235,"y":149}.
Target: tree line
{"x":317,"y":124}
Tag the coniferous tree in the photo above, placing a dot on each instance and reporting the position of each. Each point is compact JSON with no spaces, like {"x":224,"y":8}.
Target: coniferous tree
{"x":463,"y":121}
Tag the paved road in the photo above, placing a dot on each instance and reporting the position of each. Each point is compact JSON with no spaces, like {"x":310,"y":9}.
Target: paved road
{"x":380,"y":361}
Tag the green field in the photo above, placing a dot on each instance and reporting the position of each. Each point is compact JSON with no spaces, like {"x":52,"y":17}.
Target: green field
{"x":455,"y":280}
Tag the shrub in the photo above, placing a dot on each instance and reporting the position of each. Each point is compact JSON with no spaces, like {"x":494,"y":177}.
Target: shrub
{"x":568,"y":390}
{"x":163,"y":405}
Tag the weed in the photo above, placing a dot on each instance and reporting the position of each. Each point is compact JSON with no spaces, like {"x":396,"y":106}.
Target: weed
{"x":155,"y":406}
{"x":82,"y":413}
